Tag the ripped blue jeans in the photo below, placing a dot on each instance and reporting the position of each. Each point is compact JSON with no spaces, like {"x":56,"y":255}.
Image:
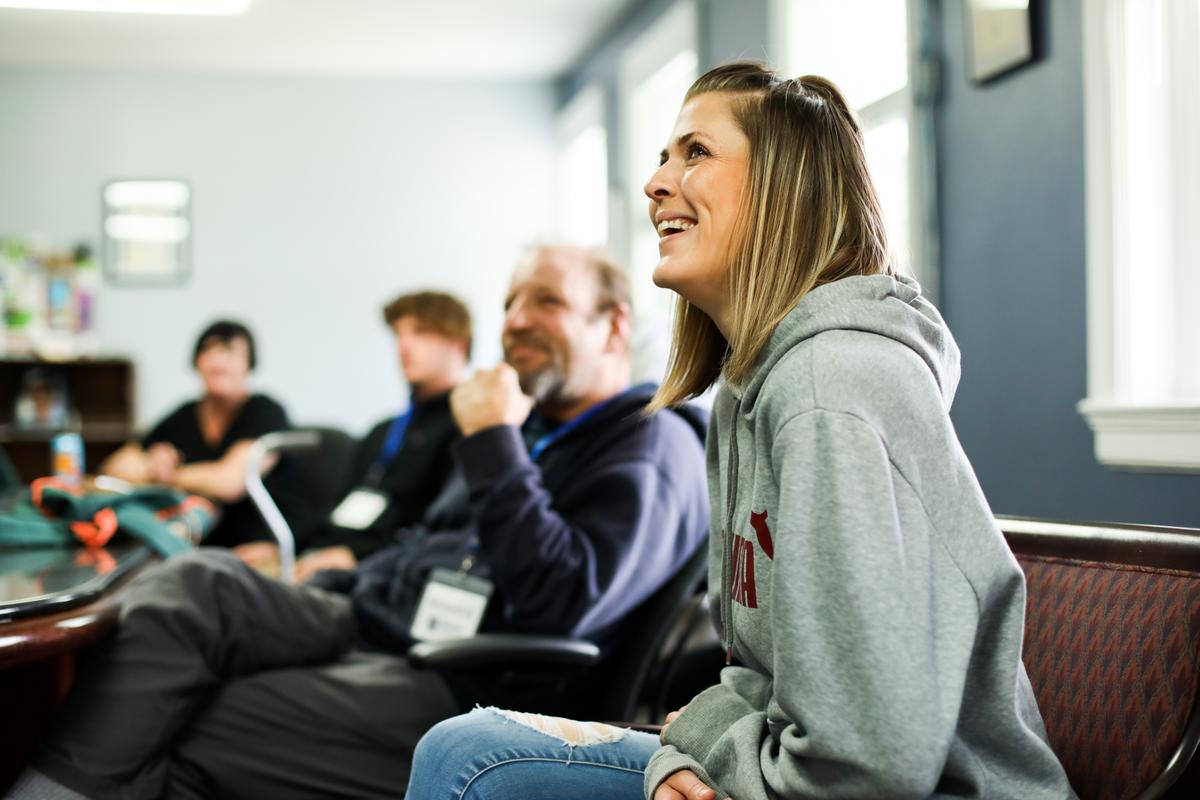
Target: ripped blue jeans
{"x":502,"y":755}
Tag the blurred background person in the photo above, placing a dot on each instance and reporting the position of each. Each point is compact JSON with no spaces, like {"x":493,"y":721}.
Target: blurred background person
{"x":202,"y":446}
{"x":403,"y":462}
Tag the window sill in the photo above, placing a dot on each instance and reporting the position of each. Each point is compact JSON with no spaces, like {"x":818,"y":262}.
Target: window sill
{"x":1154,"y":438}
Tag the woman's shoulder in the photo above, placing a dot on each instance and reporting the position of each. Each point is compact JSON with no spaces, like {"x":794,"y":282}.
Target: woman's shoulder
{"x":184,"y":411}
{"x":264,"y":410}
{"x":175,"y":426}
{"x":848,"y":371}
{"x":260,"y":401}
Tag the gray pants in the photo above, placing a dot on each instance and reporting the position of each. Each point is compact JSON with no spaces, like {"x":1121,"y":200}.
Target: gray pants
{"x":222,"y":683}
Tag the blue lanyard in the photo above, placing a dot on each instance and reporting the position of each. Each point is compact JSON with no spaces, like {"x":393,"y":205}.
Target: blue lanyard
{"x":542,"y":444}
{"x":394,"y":440}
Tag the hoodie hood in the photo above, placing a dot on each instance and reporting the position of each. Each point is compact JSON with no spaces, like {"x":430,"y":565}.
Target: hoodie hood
{"x":878,"y":304}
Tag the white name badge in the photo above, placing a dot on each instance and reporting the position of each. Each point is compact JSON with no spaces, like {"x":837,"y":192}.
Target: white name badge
{"x":359,"y":509}
{"x":451,"y":606}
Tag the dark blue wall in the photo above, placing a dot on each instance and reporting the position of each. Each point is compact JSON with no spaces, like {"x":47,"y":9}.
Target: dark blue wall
{"x":1011,"y":173}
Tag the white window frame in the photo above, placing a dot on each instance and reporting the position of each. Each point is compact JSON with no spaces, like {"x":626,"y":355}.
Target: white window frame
{"x":923,"y":256}
{"x":585,"y":110}
{"x":674,"y":32}
{"x":1142,"y":433}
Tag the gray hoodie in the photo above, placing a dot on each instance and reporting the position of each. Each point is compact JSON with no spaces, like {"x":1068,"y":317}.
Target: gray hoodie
{"x":858,"y":575}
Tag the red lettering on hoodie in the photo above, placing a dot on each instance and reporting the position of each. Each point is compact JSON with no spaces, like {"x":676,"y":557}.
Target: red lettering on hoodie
{"x":759,"y":523}
{"x":743,"y":590}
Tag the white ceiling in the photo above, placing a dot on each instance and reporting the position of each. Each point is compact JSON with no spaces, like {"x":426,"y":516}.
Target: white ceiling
{"x":535,"y":39}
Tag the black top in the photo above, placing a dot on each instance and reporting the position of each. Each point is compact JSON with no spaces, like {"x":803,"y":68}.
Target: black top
{"x":258,"y":416}
{"x":411,"y":480}
{"x":240,"y":522}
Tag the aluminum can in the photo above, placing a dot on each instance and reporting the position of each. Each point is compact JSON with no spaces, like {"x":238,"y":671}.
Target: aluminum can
{"x":66,"y":458}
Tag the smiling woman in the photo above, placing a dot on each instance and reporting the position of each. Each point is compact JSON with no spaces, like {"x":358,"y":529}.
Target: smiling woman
{"x":740,"y":278}
{"x":694,"y":199}
{"x":858,"y":577}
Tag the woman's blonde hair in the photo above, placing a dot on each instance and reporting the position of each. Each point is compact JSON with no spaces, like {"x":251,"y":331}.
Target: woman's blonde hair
{"x":809,"y":216}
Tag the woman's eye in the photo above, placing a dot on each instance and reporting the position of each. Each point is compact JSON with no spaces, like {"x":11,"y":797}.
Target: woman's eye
{"x":696,"y":151}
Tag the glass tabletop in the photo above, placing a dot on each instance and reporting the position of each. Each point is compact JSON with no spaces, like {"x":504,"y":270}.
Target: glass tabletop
{"x":46,"y":580}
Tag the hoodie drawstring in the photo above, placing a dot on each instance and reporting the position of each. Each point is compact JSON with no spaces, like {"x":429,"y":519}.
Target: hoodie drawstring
{"x":727,"y":537}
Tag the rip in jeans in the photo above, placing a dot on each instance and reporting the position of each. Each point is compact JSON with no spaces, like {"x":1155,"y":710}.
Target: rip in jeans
{"x":568,"y":731}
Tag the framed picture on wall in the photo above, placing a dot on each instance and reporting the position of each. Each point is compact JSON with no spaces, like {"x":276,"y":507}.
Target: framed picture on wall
{"x":999,"y":36}
{"x":147,"y":232}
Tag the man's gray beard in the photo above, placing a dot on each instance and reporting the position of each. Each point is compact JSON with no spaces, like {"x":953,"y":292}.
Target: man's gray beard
{"x":545,"y":386}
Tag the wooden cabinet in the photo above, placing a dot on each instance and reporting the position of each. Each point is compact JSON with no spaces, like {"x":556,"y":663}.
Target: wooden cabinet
{"x":98,"y":399}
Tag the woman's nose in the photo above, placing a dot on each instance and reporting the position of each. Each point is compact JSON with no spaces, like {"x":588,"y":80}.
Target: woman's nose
{"x":660,"y":185}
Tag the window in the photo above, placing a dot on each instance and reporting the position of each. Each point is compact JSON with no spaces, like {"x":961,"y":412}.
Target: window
{"x":582,"y":208}
{"x":147,"y":232}
{"x":872,"y":70}
{"x":655,"y":72}
{"x":1142,"y":111}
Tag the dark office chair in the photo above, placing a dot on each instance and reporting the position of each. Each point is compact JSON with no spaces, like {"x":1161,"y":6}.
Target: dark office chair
{"x":1112,"y":647}
{"x":571,"y":677}
{"x":321,"y":458}
{"x":691,"y":661}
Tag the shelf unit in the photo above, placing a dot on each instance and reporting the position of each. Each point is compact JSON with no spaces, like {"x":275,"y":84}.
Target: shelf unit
{"x":100,"y":393}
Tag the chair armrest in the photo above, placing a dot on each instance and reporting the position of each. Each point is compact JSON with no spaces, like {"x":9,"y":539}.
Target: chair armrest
{"x":498,"y":649}
{"x":279,"y":441}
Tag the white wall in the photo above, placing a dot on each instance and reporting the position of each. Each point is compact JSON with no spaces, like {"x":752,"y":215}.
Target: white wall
{"x":314,"y":201}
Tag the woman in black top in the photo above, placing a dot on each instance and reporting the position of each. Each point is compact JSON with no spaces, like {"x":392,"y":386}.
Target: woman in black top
{"x":203,"y":445}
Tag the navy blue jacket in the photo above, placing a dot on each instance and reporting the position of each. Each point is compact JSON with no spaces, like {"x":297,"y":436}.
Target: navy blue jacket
{"x":574,"y":541}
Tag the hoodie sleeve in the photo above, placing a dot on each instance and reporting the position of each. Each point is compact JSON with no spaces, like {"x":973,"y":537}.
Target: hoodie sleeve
{"x":734,"y":707}
{"x":577,"y":563}
{"x":858,"y":707}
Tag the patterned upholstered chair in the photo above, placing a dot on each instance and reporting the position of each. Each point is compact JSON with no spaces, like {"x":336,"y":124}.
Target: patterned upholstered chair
{"x":1112,"y":647}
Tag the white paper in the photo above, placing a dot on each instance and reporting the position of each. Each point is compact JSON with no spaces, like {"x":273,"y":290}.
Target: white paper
{"x":360,"y":509}
{"x":447,"y":612}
